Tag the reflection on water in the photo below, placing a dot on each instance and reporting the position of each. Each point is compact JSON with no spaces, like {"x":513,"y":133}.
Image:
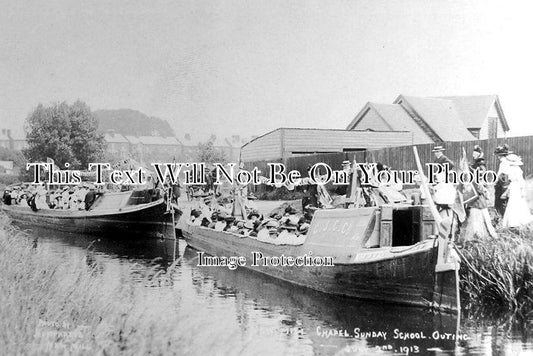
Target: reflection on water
{"x":286,"y":319}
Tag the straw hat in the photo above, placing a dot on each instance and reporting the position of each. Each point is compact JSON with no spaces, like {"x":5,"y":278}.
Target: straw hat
{"x":272,"y":224}
{"x":438,"y":149}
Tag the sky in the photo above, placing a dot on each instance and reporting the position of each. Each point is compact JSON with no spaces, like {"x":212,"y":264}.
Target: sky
{"x":248,"y":67}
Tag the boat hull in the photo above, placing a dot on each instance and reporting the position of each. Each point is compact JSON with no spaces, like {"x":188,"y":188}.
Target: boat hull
{"x":143,"y":220}
{"x":395,"y":275}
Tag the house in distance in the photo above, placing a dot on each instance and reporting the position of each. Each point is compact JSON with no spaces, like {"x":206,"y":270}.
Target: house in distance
{"x":436,"y":119}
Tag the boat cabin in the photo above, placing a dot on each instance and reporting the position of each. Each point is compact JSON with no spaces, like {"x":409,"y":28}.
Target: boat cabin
{"x":346,"y":232}
{"x":404,"y":225}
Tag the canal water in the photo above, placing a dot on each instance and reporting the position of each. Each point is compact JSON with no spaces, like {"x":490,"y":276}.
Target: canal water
{"x":261,"y":315}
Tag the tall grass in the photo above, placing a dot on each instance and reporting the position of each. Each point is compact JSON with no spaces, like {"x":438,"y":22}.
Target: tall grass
{"x":497,"y":274}
{"x":51,"y":306}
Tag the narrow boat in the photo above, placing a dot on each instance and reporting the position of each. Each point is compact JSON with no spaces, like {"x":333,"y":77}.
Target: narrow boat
{"x":387,"y":253}
{"x":113,"y":214}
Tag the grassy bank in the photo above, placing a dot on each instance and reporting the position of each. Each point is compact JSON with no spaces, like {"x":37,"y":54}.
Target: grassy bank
{"x":74,"y":305}
{"x":497,"y":274}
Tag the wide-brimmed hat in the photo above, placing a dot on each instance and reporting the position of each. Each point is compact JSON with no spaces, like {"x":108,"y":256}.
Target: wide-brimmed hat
{"x":288,"y":227}
{"x":345,"y":162}
{"x":272,"y":224}
{"x":478,"y":149}
{"x":514,"y":160}
{"x":438,"y":149}
{"x":502,"y":150}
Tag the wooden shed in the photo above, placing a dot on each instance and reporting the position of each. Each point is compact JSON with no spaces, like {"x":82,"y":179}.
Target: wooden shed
{"x":284,"y":143}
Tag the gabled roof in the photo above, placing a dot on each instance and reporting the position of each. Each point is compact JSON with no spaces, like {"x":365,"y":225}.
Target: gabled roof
{"x":132,"y":139}
{"x":440,"y":115}
{"x":115,"y":138}
{"x":194,"y":139}
{"x":474,"y":109}
{"x":399,"y":120}
{"x":158,"y":140}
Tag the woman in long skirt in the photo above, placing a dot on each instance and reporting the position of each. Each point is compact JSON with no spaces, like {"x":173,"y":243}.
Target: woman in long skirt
{"x":517,"y":212}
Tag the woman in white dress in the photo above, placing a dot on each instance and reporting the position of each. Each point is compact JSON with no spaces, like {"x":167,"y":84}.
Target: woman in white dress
{"x":517,"y":212}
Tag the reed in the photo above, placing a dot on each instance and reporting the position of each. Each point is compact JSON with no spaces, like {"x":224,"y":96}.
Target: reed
{"x":497,"y":274}
{"x":75,"y":305}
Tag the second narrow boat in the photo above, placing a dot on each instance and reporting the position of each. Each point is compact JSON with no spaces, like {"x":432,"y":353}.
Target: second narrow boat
{"x":387,"y":253}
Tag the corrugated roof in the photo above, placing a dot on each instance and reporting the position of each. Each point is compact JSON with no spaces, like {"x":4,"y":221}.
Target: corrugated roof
{"x":440,"y":115}
{"x":335,"y":140}
{"x":396,"y":116}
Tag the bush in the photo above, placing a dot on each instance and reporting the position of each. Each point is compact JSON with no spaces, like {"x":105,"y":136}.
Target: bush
{"x":74,"y":305}
{"x":497,"y":274}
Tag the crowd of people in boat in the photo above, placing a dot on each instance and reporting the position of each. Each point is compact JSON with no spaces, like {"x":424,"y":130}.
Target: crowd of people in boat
{"x":287,"y":226}
{"x":37,"y":197}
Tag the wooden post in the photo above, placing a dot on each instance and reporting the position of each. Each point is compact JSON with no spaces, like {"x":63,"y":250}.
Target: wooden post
{"x":425,"y":188}
{"x":354,"y":193}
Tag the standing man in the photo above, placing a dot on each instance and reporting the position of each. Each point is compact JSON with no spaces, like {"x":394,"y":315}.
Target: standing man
{"x":443,"y":193}
{"x":441,"y":158}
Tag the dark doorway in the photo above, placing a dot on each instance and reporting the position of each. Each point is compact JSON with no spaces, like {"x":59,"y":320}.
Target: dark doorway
{"x":405,"y":227}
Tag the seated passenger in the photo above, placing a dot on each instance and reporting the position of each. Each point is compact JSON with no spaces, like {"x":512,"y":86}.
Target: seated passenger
{"x":221,"y":223}
{"x":65,"y":197}
{"x":7,"y":196}
{"x":303,"y":228}
{"x":287,"y":235}
{"x":248,"y":228}
{"x":229,"y":223}
{"x":214,"y":219}
{"x":195,"y":217}
{"x":205,"y":222}
{"x":239,"y":227}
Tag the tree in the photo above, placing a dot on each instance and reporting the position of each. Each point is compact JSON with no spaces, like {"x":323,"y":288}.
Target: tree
{"x":65,"y":133}
{"x":209,"y":154}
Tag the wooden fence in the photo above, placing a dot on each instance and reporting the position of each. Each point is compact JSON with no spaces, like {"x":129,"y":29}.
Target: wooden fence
{"x":402,"y":158}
